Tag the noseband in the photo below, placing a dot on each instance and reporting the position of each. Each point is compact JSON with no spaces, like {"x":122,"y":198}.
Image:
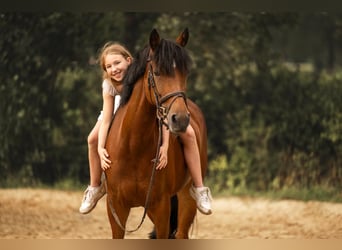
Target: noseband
{"x":162,"y":111}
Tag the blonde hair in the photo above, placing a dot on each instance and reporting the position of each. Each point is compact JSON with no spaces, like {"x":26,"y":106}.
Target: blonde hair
{"x":112,"y":48}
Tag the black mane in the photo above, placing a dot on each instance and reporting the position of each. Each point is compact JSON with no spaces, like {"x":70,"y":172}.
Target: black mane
{"x":166,"y":54}
{"x":134,"y":72}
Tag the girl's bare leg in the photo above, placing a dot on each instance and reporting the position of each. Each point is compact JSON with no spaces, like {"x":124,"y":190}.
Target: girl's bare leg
{"x":192,"y":156}
{"x":96,"y":189}
{"x":200,"y":193}
{"x":93,"y":156}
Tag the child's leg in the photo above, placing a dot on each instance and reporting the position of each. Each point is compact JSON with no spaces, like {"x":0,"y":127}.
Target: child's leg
{"x":192,"y":157}
{"x":93,"y":156}
{"x":96,"y":189}
{"x":191,"y":154}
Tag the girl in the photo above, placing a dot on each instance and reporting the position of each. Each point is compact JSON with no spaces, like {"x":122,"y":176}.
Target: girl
{"x":114,"y":61}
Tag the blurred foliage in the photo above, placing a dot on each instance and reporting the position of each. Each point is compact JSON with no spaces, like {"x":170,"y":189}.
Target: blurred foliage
{"x":269,"y":85}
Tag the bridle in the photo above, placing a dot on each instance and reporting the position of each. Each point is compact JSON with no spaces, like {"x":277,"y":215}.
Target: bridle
{"x":162,"y":111}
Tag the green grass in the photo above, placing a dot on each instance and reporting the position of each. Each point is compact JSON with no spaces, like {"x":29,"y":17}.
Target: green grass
{"x":64,"y":184}
{"x":317,"y":193}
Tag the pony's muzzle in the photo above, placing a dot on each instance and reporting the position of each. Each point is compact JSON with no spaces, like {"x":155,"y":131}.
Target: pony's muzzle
{"x":178,"y":122}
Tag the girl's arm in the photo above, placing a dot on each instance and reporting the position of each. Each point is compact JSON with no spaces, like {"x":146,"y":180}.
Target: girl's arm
{"x":108,"y":105}
{"x":164,"y":148}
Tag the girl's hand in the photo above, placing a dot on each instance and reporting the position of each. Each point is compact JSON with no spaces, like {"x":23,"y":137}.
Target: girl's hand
{"x":104,"y":158}
{"x":162,"y":158}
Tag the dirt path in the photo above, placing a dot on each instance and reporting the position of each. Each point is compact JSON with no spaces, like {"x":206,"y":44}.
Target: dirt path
{"x":52,"y":214}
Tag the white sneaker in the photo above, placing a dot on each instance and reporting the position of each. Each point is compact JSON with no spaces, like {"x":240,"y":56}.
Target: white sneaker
{"x":203,"y":198}
{"x":91,"y":197}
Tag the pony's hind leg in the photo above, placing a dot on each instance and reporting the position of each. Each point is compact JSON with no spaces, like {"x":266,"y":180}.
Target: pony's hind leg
{"x":173,"y":217}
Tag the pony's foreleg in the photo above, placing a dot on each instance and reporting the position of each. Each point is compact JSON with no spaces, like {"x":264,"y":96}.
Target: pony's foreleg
{"x":173,"y":220}
{"x":159,"y":214}
{"x":186,"y":213}
{"x":122,"y":214}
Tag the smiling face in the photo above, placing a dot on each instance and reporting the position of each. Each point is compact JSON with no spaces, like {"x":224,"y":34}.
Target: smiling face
{"x":114,"y":60}
{"x":116,"y":66}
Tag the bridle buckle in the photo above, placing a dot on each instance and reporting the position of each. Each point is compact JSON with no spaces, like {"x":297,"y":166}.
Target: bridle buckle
{"x":162,"y":112}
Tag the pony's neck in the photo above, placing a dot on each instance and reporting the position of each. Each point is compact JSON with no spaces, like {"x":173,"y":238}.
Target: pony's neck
{"x":139,"y":110}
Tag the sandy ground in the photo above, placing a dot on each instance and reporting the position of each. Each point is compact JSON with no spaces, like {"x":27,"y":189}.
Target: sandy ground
{"x":53,"y":214}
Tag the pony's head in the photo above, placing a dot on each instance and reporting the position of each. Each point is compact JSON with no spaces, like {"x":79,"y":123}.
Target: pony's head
{"x":168,"y":67}
{"x":164,"y":66}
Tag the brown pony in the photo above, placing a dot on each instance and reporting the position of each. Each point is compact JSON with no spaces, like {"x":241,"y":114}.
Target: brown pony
{"x":153,"y":96}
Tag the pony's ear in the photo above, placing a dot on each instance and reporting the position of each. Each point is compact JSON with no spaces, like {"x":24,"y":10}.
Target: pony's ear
{"x":183,"y":37}
{"x":154,"y":39}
